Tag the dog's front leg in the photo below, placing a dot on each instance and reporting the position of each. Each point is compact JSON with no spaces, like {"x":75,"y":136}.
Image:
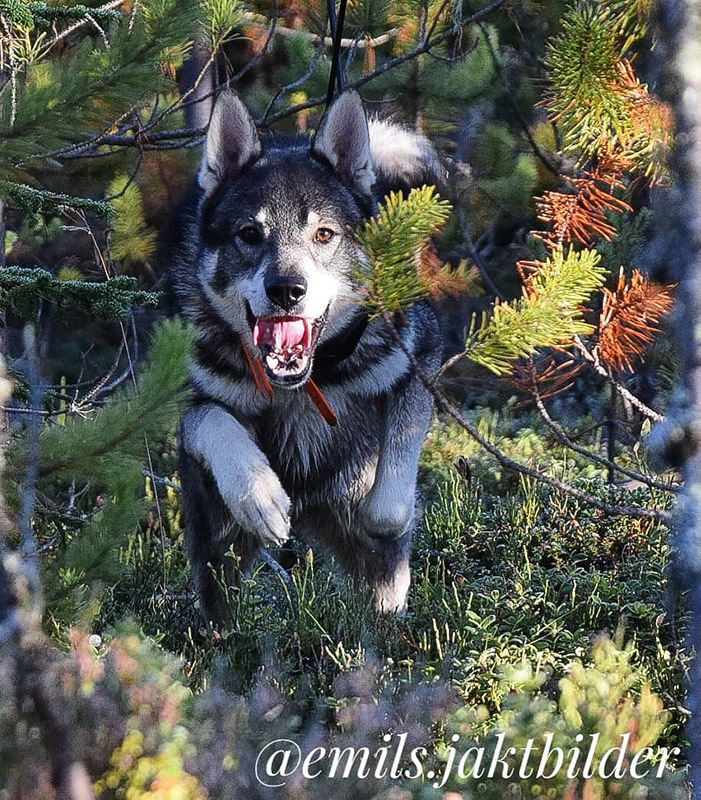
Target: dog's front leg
{"x":231,"y":500}
{"x":250,"y":489}
{"x":387,"y":514}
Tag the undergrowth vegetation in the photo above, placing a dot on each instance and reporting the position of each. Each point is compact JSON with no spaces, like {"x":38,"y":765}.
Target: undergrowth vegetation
{"x":509,"y":580}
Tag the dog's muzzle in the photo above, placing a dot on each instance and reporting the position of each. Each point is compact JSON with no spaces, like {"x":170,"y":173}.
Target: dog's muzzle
{"x":286,"y":345}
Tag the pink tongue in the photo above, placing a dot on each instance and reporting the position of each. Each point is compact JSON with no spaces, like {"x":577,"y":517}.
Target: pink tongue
{"x":282,"y":333}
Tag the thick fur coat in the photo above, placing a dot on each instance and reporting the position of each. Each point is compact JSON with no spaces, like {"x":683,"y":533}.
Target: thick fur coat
{"x":263,"y":264}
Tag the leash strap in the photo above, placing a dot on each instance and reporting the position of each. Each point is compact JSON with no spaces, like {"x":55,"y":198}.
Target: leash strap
{"x":336,"y":24}
{"x":258,"y":371}
{"x":265,"y":388}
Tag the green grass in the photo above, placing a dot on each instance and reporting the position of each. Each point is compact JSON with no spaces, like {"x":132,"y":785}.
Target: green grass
{"x":504,"y":571}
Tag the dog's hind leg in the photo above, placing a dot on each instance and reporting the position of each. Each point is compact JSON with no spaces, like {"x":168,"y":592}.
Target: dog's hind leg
{"x":387,"y":514}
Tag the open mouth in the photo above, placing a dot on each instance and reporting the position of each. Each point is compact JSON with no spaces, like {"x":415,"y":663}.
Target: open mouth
{"x":286,"y":345}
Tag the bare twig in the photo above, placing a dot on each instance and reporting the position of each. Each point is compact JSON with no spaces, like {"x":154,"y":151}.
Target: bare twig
{"x":325,"y":41}
{"x":592,"y":359}
{"x":476,"y":256}
{"x":606,"y":462}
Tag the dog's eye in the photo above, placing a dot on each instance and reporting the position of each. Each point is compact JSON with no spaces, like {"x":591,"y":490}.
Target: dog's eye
{"x":324,"y":235}
{"x":249,"y":234}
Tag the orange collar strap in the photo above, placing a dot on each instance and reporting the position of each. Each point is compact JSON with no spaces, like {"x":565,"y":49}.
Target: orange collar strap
{"x":265,"y":388}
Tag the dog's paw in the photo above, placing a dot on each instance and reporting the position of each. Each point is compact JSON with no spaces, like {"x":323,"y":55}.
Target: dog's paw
{"x":260,"y":506}
{"x":387,"y":514}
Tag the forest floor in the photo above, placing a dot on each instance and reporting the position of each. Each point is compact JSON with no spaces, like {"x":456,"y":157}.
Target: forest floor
{"x":506,"y":573}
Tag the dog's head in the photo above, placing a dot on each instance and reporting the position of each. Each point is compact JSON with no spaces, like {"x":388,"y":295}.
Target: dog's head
{"x":279,"y":256}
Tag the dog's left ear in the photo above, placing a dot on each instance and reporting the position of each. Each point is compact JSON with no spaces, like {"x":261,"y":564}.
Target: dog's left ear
{"x":344,"y":141}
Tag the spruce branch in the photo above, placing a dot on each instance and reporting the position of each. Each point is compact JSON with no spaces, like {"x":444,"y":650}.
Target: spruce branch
{"x":111,"y":299}
{"x":45,"y":14}
{"x":40,"y":201}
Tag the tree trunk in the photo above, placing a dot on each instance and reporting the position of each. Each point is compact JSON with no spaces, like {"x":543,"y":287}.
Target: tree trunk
{"x":678,"y":248}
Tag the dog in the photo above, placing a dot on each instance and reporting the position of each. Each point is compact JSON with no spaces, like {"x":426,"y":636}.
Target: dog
{"x":263,"y":266}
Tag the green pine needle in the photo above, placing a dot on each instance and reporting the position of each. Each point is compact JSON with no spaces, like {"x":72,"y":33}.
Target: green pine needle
{"x":582,"y":62}
{"x":219,"y":18}
{"x":548,"y":315}
{"x":392,"y":243}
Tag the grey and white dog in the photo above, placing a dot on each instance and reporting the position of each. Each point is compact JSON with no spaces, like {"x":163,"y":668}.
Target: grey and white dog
{"x":264,"y":262}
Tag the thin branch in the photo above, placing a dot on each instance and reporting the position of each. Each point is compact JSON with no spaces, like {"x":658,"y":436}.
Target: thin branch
{"x":265,"y":555}
{"x":606,"y":462}
{"x":592,"y":359}
{"x":476,"y":256}
{"x":174,"y":139}
{"x":514,"y":105}
{"x":442,"y":402}
{"x":324,"y":41}
{"x":290,"y":86}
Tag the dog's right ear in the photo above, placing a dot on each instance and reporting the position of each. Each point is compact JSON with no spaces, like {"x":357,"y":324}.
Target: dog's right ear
{"x":343,"y":140}
{"x":232,"y":142}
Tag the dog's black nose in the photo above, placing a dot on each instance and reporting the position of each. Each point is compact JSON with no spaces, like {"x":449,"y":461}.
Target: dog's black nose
{"x":285,"y":290}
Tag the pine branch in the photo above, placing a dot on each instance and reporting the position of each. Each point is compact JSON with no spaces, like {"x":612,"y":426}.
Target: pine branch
{"x":593,"y":360}
{"x":547,"y":373}
{"x":596,"y":98}
{"x":548,"y":315}
{"x":392,"y":243}
{"x":132,"y":240}
{"x":147,"y":139}
{"x":101,"y":447}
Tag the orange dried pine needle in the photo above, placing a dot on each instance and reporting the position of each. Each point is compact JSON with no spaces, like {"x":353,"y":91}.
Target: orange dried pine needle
{"x":580,"y":214}
{"x":545,"y":375}
{"x":630,"y":318}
